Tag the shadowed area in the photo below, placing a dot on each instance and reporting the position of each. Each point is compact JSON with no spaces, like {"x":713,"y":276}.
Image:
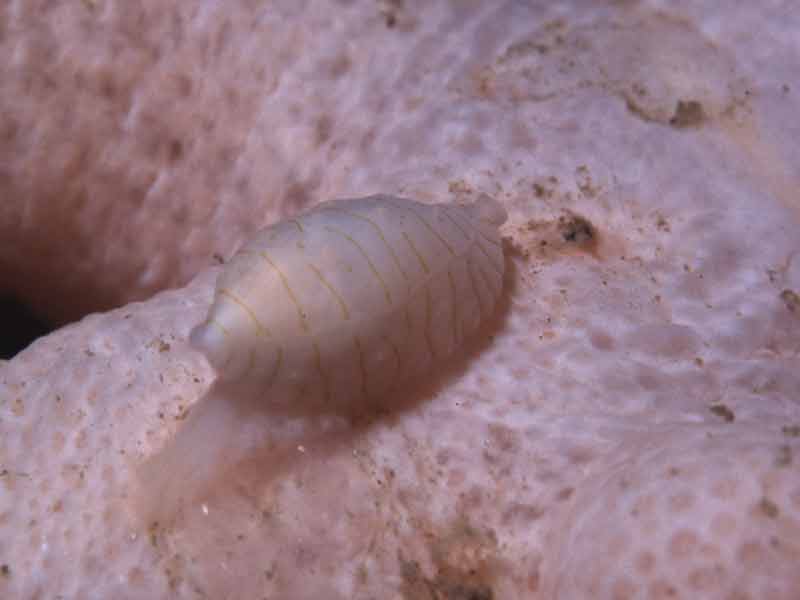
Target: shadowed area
{"x":20,"y":326}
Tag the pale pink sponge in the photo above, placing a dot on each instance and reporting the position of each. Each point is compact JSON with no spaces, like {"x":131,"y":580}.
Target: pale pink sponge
{"x":695,"y":514}
{"x":619,"y":417}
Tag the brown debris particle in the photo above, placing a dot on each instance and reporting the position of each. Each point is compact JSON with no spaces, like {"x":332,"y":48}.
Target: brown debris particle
{"x":567,"y":234}
{"x":576,"y":229}
{"x":784,"y":456}
{"x":297,"y":196}
{"x":546,"y":188}
{"x":389,"y":11}
{"x":792,"y":300}
{"x":153,"y":533}
{"x":173,"y":570}
{"x":791,"y":430}
{"x":662,"y":224}
{"x":584,"y":182}
{"x":418,"y":587}
{"x":395,"y":16}
{"x":459,"y":187}
{"x":688,"y":113}
{"x":18,"y":407}
{"x":463,"y":565}
{"x":565,"y":494}
{"x":636,"y":109}
{"x":175,"y":150}
{"x":323,"y":128}
{"x":723,"y":411}
{"x":5,"y":570}
{"x":768,"y":508}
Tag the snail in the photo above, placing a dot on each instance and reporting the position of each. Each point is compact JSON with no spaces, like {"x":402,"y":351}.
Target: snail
{"x":342,"y":304}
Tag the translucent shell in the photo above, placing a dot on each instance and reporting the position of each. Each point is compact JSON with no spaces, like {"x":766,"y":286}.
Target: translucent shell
{"x":354,"y":296}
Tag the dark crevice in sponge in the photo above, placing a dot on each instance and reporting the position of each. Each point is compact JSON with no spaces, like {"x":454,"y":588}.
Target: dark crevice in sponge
{"x":19,"y":326}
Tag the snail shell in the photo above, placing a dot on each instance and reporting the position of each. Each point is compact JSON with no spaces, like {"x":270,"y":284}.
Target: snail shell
{"x":353,"y":297}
